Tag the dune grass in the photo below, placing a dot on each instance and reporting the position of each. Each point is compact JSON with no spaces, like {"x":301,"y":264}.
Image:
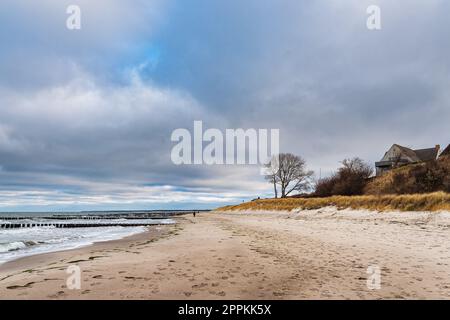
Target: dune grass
{"x":432,"y":176}
{"x":415,"y":202}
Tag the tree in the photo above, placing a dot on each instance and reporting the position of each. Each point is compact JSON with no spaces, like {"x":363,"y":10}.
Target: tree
{"x":353,"y":177}
{"x":272,"y":179}
{"x":356,"y":165}
{"x":290,"y":174}
{"x":271,"y":170}
{"x":350,"y":179}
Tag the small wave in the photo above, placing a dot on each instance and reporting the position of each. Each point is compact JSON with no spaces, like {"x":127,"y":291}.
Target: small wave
{"x":12,"y":246}
{"x":17,"y":245}
{"x":31,"y":243}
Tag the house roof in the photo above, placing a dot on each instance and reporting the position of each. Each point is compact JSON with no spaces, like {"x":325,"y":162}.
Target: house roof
{"x":420,"y":154}
{"x":410,"y":156}
{"x":427,"y":154}
{"x":408,"y":152}
{"x":446,"y":151}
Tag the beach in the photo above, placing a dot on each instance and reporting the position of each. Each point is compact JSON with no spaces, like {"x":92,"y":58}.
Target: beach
{"x":314,"y":254}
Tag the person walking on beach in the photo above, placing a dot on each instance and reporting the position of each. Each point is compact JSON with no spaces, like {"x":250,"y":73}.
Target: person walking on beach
{"x":194,"y":214}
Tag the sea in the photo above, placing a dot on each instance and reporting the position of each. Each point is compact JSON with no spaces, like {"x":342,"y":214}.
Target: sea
{"x":25,"y":234}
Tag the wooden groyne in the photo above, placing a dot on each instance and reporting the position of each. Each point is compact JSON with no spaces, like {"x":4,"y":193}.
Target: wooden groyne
{"x":75,"y":225}
{"x":91,"y":220}
{"x":112,"y":216}
{"x":81,"y":218}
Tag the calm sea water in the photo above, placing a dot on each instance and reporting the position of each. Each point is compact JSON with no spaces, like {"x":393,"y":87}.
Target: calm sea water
{"x":17,"y":243}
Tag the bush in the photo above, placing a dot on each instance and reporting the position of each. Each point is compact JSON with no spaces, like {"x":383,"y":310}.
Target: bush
{"x":350,"y":179}
{"x":324,"y":187}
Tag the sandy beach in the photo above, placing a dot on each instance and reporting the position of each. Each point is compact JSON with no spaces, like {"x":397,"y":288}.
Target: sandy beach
{"x":317,"y":254}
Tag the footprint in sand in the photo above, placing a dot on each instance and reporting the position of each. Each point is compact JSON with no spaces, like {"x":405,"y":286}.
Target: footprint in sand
{"x":28,"y":285}
{"x":199,"y":286}
{"x":57,"y":295}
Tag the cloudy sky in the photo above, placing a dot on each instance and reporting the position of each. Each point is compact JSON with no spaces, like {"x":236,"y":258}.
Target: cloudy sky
{"x":86,"y":115}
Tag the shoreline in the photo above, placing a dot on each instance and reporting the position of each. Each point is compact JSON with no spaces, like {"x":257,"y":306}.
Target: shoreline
{"x":321,"y":254}
{"x":29,"y":260}
{"x":75,"y":246}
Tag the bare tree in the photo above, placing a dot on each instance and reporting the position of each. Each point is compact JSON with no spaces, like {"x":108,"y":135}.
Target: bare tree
{"x":271,"y":175}
{"x":350,"y":179}
{"x":291,"y":175}
{"x":272,"y":179}
{"x":356,"y":166}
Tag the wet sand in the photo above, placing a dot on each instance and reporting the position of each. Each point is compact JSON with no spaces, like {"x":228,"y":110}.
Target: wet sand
{"x":319,"y":254}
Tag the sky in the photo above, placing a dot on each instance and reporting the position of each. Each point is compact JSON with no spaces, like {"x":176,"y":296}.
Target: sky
{"x":86,"y":115}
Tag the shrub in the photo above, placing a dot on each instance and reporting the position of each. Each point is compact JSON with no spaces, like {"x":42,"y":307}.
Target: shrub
{"x":324,"y":187}
{"x":350,"y":179}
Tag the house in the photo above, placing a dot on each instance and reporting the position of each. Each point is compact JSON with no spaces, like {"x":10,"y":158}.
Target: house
{"x":446,"y":152}
{"x":399,"y":156}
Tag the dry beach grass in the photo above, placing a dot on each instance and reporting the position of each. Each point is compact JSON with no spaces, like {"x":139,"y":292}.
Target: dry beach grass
{"x":437,"y":201}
